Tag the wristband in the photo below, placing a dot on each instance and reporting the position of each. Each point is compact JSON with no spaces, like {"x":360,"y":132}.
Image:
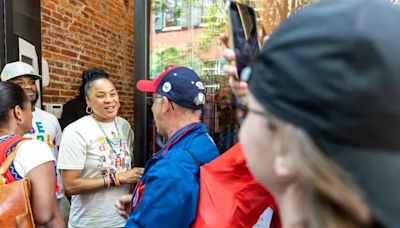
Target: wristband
{"x":117,"y":180}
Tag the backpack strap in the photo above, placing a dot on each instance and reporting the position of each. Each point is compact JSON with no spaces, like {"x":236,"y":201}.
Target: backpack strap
{"x":194,"y":158}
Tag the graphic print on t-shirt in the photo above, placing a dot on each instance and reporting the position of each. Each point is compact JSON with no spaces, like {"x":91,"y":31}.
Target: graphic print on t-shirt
{"x":113,"y":154}
{"x":38,"y":132}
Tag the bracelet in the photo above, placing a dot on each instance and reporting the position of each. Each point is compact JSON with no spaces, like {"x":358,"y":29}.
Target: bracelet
{"x":104,"y":182}
{"x":117,"y":181}
{"x":109,"y":180}
{"x":112,"y":177}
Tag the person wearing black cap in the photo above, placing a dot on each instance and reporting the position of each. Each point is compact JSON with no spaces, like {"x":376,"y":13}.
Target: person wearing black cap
{"x":323,"y":124}
{"x":76,"y":108}
{"x":167,"y":193}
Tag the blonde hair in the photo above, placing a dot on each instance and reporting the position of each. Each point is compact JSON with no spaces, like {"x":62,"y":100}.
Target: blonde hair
{"x":336,"y":200}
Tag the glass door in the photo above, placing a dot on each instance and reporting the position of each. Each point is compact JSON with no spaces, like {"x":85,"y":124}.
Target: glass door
{"x":185,"y":32}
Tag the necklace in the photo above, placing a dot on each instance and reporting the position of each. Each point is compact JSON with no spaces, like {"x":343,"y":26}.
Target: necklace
{"x":119,"y":156}
{"x":4,"y":133}
{"x":108,"y":140}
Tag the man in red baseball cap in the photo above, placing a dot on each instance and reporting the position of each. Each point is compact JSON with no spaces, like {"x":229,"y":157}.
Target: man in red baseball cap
{"x":167,"y":193}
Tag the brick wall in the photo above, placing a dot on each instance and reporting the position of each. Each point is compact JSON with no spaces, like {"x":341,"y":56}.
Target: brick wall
{"x":185,"y":38}
{"x":79,"y":34}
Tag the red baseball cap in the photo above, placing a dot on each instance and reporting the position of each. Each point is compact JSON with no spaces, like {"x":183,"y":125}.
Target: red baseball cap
{"x":179,"y":84}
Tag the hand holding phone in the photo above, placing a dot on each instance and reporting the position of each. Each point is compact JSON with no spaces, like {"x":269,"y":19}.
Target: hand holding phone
{"x":243,"y":37}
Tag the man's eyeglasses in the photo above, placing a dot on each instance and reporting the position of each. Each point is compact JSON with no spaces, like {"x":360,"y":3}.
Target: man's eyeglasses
{"x":257,"y":112}
{"x":150,"y":101}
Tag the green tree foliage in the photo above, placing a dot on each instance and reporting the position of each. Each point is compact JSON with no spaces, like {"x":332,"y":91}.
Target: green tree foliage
{"x":216,"y":23}
{"x":213,"y":24}
{"x":163,"y":57}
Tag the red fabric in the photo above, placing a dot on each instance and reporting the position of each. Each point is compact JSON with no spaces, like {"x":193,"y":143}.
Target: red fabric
{"x":229,"y":195}
{"x":137,"y":197}
{"x":149,"y":86}
{"x":4,"y":146}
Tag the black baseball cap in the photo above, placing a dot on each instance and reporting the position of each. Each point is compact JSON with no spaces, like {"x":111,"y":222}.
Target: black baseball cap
{"x":333,"y":69}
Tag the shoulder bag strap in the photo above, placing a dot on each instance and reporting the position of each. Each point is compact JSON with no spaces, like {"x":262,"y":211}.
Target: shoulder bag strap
{"x":194,"y":158}
{"x":6,"y":164}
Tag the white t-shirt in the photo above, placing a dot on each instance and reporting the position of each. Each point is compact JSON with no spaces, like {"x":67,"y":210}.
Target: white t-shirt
{"x":96,"y":148}
{"x":31,"y":154}
{"x":45,"y":128}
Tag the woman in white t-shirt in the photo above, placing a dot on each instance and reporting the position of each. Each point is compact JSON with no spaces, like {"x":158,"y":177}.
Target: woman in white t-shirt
{"x":34,"y":159}
{"x":96,"y":159}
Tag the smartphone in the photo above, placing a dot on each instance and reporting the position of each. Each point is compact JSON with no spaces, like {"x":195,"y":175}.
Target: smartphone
{"x":243,"y":38}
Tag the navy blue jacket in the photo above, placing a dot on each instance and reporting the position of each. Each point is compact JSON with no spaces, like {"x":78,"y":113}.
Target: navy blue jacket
{"x":167,"y":193}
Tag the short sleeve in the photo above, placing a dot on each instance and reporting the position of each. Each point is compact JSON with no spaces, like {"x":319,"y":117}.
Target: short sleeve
{"x":58,"y":133}
{"x":72,"y":154}
{"x":32,"y":153}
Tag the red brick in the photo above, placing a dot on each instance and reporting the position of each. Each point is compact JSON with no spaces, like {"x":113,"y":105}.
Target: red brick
{"x":68,"y":53}
{"x":52,"y":92}
{"x":101,"y":34}
{"x":58,"y":16}
{"x":68,"y":93}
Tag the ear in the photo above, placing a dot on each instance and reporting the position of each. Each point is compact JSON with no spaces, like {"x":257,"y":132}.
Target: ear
{"x":87,"y":101}
{"x":18,"y":114}
{"x":166,"y":106}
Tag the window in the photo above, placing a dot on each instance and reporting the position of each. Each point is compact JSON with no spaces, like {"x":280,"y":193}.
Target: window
{"x":167,"y":14}
{"x":196,"y":44}
{"x":172,"y":13}
{"x":185,"y":32}
{"x":204,"y":8}
{"x":176,"y":14}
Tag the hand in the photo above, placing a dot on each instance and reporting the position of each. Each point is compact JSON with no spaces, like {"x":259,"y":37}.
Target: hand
{"x":123,"y":205}
{"x":239,"y":88}
{"x":131,"y":176}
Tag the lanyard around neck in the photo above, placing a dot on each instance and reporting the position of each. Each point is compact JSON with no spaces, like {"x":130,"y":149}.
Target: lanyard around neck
{"x":108,"y":140}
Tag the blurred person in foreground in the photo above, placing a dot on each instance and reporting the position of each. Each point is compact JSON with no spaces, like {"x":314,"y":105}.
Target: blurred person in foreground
{"x":323,"y":118}
{"x":75,"y":108}
{"x":241,"y":91}
{"x":34,"y":159}
{"x":96,"y":155}
{"x":45,"y":126}
{"x":167,"y":193}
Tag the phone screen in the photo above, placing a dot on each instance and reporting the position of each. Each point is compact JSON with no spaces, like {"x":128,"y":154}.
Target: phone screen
{"x":243,"y":35}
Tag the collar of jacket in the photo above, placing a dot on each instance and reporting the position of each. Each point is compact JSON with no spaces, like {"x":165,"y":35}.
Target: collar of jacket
{"x":177,"y":136}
